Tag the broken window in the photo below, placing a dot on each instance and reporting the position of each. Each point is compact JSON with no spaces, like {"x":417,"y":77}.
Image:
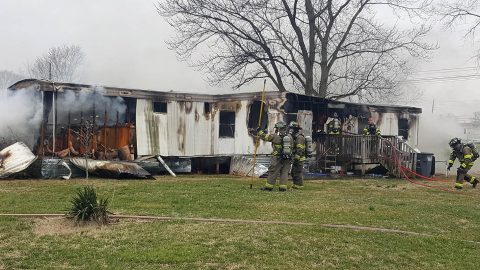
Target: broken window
{"x":403,"y":128}
{"x":227,"y":124}
{"x":160,"y":107}
{"x":254,"y":115}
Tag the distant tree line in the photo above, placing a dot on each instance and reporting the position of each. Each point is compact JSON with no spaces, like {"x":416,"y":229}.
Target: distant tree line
{"x":60,"y":64}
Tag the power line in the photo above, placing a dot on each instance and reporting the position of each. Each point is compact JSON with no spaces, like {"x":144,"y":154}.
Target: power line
{"x":442,"y":70}
{"x":446,"y":78}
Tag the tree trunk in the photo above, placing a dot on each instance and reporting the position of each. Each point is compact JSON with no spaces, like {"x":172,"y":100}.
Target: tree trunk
{"x":322,"y":89}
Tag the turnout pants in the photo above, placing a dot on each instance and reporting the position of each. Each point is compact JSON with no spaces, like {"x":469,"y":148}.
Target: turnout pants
{"x":297,"y":173}
{"x":462,"y":174}
{"x":278,"y":168}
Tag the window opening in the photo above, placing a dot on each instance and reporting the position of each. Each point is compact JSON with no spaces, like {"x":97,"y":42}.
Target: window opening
{"x":206,"y":108}
{"x":403,"y":128}
{"x":160,"y":107}
{"x":254,"y":115}
{"x":227,"y":124}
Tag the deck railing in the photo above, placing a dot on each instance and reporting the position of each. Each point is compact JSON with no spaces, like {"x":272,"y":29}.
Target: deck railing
{"x":390,"y":151}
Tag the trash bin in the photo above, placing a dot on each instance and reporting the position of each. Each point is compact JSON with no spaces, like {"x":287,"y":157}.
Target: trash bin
{"x":425,"y":164}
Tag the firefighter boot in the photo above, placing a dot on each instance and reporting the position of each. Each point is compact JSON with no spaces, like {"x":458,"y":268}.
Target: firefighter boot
{"x":295,"y":186}
{"x":474,"y":182}
{"x":267,"y":187}
{"x":458,"y":185}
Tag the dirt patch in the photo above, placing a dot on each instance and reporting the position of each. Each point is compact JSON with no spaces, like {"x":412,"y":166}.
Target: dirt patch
{"x":64,"y":226}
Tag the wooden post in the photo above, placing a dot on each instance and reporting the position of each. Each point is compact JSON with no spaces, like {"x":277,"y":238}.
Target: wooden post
{"x":105,"y":119}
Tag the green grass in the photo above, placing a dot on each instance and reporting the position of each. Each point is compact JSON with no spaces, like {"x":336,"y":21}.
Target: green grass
{"x":449,"y":219}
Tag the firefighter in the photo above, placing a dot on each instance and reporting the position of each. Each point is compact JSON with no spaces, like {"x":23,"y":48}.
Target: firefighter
{"x":334,"y":126}
{"x":466,"y":154}
{"x":371,"y":129}
{"x":280,"y":161}
{"x":299,"y":154}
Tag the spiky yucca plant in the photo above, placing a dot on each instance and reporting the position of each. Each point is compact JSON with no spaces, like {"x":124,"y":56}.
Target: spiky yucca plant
{"x":87,"y":207}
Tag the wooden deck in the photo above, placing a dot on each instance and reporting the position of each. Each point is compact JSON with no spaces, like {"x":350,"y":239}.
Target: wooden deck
{"x":349,"y":150}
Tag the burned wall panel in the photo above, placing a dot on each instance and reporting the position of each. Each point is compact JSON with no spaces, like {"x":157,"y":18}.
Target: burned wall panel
{"x":176,"y":128}
{"x":389,"y":124}
{"x":161,"y":120}
{"x":202,"y":130}
{"x":191,"y":135}
{"x":244,"y":144}
{"x":146,"y":129}
{"x":304,"y":119}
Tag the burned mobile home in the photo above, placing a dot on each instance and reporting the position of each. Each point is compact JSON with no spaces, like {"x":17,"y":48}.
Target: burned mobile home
{"x":198,"y":132}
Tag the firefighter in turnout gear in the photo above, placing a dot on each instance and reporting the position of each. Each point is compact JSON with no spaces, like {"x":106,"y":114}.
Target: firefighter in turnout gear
{"x":371,"y":129}
{"x":280,"y":161}
{"x":466,"y":154}
{"x":334,"y":126}
{"x":299,"y":154}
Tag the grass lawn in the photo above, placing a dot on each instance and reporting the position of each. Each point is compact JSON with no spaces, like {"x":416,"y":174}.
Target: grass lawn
{"x":447,"y":226}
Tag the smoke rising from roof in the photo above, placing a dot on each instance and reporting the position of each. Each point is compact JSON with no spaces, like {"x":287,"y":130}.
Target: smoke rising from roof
{"x":20,"y":115}
{"x":88,"y":100}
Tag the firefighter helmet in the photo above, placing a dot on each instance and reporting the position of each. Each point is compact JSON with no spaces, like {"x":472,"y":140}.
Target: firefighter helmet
{"x":453,"y":142}
{"x":280,"y":125}
{"x":294,"y":125}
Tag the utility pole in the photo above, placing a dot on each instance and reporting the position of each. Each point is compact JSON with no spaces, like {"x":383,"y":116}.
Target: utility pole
{"x":50,"y":71}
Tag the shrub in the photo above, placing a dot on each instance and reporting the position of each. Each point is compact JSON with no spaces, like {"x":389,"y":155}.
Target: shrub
{"x":87,"y":207}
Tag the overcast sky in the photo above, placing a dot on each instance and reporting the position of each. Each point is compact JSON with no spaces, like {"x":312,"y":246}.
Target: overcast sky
{"x":124,"y":43}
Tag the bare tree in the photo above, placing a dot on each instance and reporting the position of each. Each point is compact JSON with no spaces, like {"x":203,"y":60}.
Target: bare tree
{"x":327,"y":48}
{"x":7,"y":78}
{"x":462,"y":14}
{"x":58,"y":64}
{"x":85,"y":136}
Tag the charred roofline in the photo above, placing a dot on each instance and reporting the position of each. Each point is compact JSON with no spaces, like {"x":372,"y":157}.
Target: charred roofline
{"x":331,"y":104}
{"x":44,"y":85}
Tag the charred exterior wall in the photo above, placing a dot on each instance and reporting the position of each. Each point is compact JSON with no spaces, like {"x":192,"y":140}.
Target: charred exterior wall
{"x":75,"y":126}
{"x":196,"y":128}
{"x":190,"y":125}
{"x":394,"y":120}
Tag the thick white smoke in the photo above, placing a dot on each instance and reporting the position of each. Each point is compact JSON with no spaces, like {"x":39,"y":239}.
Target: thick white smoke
{"x":20,"y":116}
{"x":88,"y":99}
{"x":435,"y":133}
{"x":21,"y":111}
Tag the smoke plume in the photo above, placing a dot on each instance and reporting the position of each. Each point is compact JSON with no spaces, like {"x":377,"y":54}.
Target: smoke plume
{"x":20,"y":116}
{"x":88,"y":101}
{"x":435,"y":133}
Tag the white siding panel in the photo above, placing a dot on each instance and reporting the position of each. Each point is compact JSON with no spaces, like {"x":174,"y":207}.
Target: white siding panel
{"x":146,"y":145}
{"x":214,"y":122}
{"x":176,"y":128}
{"x":202,"y":132}
{"x":190,"y":138}
{"x":389,"y":124}
{"x":161,"y":122}
{"x":226,"y":146}
{"x":413,"y":131}
{"x":244,"y":143}
{"x":304,"y":119}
